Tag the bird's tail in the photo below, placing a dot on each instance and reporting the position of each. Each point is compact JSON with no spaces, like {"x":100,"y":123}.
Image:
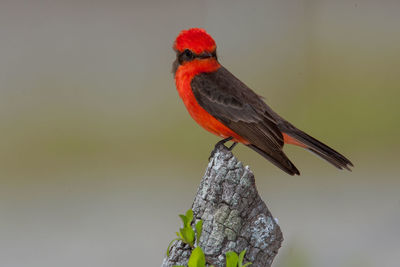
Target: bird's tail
{"x":308,"y":142}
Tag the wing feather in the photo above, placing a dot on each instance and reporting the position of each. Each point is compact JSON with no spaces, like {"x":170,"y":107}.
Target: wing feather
{"x":234,"y":104}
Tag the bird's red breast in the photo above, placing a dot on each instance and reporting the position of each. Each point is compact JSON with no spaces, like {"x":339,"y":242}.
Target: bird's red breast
{"x":183,"y":77}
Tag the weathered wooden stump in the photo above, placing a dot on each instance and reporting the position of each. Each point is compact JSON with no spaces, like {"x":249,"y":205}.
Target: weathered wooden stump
{"x":234,"y":216}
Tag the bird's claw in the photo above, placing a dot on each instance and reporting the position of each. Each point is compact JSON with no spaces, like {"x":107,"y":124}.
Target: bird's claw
{"x":213,"y":151}
{"x":221,"y":143}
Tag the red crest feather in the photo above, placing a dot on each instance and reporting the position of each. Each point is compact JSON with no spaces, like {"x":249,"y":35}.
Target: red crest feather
{"x":195,"y":39}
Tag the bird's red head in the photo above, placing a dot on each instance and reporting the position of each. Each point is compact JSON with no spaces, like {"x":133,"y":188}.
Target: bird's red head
{"x":197,"y":40}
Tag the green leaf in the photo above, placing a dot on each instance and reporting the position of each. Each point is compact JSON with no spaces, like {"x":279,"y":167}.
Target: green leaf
{"x":241,"y":257}
{"x":197,"y":258}
{"x":170,"y":244}
{"x":179,"y":235}
{"x":199,"y":228}
{"x":231,"y":259}
{"x":189,"y":217}
{"x":184,"y":219}
{"x":187,"y":235}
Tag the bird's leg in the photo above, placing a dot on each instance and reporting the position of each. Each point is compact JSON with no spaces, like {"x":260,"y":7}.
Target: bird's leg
{"x":221,"y":143}
{"x":232,"y":146}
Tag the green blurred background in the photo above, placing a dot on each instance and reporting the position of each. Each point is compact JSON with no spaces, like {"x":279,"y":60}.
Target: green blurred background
{"x":98,"y":154}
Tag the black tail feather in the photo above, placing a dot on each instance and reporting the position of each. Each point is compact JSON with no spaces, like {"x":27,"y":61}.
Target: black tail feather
{"x":320,"y":149}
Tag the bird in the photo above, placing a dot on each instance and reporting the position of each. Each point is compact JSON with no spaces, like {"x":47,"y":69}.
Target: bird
{"x":226,"y":107}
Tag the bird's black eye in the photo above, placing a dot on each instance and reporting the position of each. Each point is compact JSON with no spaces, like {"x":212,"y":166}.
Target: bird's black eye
{"x":188,"y":54}
{"x":185,"y":56}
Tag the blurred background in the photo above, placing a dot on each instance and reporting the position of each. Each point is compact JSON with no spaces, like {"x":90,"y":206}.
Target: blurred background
{"x":98,"y":155}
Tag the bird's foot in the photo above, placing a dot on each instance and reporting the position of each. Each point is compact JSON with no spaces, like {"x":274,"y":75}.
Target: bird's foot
{"x":232,"y":146}
{"x":222,"y":143}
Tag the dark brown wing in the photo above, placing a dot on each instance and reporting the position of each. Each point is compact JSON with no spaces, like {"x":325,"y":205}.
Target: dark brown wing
{"x":235,"y":105}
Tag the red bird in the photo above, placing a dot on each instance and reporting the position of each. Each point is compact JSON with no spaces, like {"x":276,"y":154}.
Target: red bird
{"x":226,"y":107}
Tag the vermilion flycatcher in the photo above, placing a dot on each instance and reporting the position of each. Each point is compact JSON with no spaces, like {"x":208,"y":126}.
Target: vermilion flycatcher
{"x":226,"y":107}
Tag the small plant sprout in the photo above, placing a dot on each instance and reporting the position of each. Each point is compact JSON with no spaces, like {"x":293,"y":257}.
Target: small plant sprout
{"x":233,"y":260}
{"x":186,"y":234}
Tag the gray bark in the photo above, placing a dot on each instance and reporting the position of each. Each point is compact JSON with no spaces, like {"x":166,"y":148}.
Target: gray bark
{"x":234,"y":216}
